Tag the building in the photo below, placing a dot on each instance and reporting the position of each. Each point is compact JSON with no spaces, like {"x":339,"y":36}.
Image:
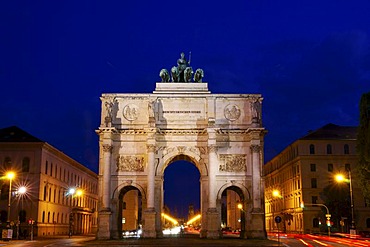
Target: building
{"x":141,"y":134}
{"x":41,"y":200}
{"x":304,"y":172}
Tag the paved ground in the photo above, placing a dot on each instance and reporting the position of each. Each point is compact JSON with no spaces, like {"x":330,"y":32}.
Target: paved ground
{"x":187,"y":240}
{"x":193,"y":241}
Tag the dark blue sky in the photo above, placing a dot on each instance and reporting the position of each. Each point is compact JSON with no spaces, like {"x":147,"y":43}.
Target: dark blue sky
{"x":309,"y":59}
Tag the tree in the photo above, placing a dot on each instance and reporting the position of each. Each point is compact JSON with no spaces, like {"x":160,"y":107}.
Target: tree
{"x":363,"y":145}
{"x":337,"y":199}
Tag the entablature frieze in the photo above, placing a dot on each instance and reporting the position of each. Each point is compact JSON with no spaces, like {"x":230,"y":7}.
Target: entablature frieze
{"x":182,"y":131}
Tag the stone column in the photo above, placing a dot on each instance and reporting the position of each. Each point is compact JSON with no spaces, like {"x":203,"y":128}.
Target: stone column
{"x":151,"y":175}
{"x":106,"y":176}
{"x":149,"y":214}
{"x":213,"y":219}
{"x":256,"y":225}
{"x":212,"y":168}
{"x":104,"y":222}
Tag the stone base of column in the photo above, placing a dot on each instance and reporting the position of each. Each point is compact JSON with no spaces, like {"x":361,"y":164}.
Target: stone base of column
{"x":149,"y":218}
{"x":104,"y":224}
{"x":213,"y":224}
{"x":256,"y":227}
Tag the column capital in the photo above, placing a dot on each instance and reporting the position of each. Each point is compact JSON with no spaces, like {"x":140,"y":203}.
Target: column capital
{"x":212,"y":148}
{"x":107,"y":148}
{"x":255,"y":148}
{"x":150,"y":147}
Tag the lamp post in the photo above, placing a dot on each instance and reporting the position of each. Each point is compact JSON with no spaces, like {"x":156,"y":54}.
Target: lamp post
{"x":242,"y":220}
{"x":9,"y":232}
{"x":20,"y":192}
{"x":10,"y":176}
{"x":72,"y":192}
{"x":341,"y":178}
{"x":276,"y":193}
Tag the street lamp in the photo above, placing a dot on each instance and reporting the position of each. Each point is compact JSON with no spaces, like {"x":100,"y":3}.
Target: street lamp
{"x":21,"y":191}
{"x":276,"y":193}
{"x":8,"y":232}
{"x":10,"y":176}
{"x":72,"y":192}
{"x":340,"y":178}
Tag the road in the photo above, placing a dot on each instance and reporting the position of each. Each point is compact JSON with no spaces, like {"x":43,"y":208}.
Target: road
{"x":193,"y":241}
{"x":318,"y":241}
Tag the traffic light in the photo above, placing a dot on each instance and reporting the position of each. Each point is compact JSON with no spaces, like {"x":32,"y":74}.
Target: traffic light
{"x":328,"y":223}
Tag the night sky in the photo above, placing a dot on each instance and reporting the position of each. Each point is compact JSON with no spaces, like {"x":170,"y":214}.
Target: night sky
{"x":309,"y":59}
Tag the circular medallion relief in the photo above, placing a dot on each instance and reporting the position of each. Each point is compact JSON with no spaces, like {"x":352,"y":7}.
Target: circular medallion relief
{"x":232,"y":112}
{"x":130,"y":112}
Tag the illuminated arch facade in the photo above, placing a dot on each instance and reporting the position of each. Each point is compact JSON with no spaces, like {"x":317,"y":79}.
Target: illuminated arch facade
{"x":141,"y":134}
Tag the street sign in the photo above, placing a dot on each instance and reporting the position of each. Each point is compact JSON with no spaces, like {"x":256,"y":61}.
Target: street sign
{"x":277,"y":219}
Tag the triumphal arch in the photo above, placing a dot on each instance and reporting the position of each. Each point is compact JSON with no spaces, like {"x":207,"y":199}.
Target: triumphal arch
{"x":141,"y":134}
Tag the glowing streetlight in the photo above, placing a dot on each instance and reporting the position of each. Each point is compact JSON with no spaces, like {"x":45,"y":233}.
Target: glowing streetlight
{"x":10,"y":176}
{"x":72,"y":192}
{"x":22,"y":190}
{"x":340,"y":178}
{"x":278,"y":194}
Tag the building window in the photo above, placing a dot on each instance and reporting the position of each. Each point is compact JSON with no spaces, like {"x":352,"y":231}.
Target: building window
{"x":330,"y":167}
{"x":347,"y":167}
{"x":44,"y":194}
{"x":5,"y":192}
{"x":315,"y":222}
{"x":43,"y":216}
{"x":313,"y":183}
{"x":26,"y":164}
{"x":346,"y":149}
{"x":7,"y":163}
{"x":368,"y":223}
{"x":314,"y":199}
{"x":328,"y":149}
{"x":46,"y":167}
{"x":312,"y":149}
{"x":313,"y":167}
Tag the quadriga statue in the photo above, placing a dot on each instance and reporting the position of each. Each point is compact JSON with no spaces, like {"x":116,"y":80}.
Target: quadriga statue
{"x":182,"y":72}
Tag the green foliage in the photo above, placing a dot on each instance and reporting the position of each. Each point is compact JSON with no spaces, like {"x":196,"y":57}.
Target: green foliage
{"x":337,"y":198}
{"x":363,"y":145}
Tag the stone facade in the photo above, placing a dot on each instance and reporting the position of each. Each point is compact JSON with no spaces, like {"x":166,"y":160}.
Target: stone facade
{"x":141,"y":134}
{"x":48,"y":174}
{"x":303,"y":171}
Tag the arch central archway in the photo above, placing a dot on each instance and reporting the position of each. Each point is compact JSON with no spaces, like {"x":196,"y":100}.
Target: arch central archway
{"x":140,"y":135}
{"x":181,"y":183}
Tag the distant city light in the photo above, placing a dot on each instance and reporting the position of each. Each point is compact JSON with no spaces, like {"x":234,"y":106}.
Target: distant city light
{"x":167,"y":217}
{"x":195,"y":218}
